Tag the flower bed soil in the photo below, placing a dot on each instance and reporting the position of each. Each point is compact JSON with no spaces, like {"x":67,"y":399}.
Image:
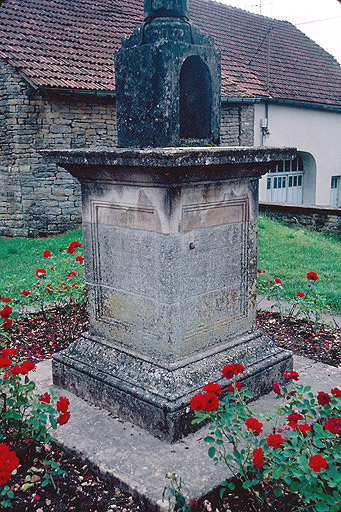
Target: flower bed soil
{"x":38,"y":337}
{"x":80,"y":490}
{"x":322,"y":344}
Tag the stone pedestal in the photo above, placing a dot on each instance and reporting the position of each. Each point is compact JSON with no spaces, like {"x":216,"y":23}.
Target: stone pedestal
{"x":170,"y":241}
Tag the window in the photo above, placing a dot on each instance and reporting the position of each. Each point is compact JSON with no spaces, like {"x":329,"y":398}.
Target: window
{"x":284,"y":183}
{"x":335,"y":191}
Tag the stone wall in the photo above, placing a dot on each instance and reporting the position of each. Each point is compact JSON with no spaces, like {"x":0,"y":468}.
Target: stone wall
{"x":36,"y":198}
{"x":237,"y":125}
{"x":39,"y":199}
{"x":321,"y":218}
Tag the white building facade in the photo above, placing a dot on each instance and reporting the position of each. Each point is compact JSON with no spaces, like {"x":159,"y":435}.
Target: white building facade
{"x":314,"y":178}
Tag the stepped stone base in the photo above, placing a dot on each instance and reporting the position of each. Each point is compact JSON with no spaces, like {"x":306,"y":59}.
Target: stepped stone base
{"x":156,"y":397}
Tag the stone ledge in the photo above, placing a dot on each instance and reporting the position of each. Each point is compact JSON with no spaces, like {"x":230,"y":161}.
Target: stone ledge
{"x":169,"y":157}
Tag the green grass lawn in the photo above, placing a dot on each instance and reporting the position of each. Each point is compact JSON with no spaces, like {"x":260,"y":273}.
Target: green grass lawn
{"x":290,"y":252}
{"x":20,"y":258}
{"x":284,"y":252}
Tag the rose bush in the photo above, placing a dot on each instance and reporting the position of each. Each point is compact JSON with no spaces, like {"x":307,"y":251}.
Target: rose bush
{"x":59,"y":289}
{"x":26,"y":417}
{"x":300,"y":456}
{"x":308,"y":304}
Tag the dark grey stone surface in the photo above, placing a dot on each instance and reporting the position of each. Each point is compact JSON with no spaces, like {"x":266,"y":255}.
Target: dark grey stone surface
{"x":157,"y":397}
{"x":167,"y":81}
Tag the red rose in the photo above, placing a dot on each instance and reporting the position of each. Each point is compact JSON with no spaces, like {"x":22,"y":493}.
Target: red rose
{"x":75,"y":244}
{"x":317,"y":462}
{"x":275,"y":440}
{"x":312,"y":276}
{"x":232,"y":369}
{"x":47,"y":253}
{"x":5,"y":362}
{"x":292,"y":375}
{"x":40,"y":272}
{"x":278,"y":281}
{"x":254,"y":425}
{"x":258,"y":457}
{"x":259,"y":271}
{"x":323,"y":398}
{"x":194,"y":503}
{"x":6,"y":299}
{"x":80,"y":259}
{"x":210,"y":402}
{"x":72,"y":247}
{"x":333,"y":425}
{"x":196,"y":402}
{"x":27,"y":366}
{"x":336,"y":392}
{"x":63,"y":404}
{"x":71,"y":274}
{"x":25,"y":293}
{"x":7,"y":323}
{"x":63,"y":418}
{"x":16,"y":370}
{"x":45,"y":398}
{"x":300,"y":294}
{"x":8,"y":463}
{"x":234,"y":386}
{"x":295,"y":416}
{"x":213,"y":388}
{"x":277,"y":389}
{"x":9,"y":352}
{"x":4,"y":313}
{"x":304,"y":428}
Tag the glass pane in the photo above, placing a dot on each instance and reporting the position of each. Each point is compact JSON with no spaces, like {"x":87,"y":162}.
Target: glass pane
{"x":295,"y":181}
{"x":300,"y":163}
{"x":290,"y":181}
{"x":287,"y":165}
{"x":275,"y":182}
{"x":279,"y":182}
{"x":300,"y":181}
{"x":283,"y":182}
{"x":268,"y":183}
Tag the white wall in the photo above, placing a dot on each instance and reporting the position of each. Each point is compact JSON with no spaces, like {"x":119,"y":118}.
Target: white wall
{"x":311,"y":131}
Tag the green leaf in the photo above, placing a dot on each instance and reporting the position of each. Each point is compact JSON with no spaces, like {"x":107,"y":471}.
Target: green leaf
{"x":277,"y":492}
{"x":247,"y":484}
{"x":209,"y":439}
{"x":321,"y":507}
{"x":231,"y":486}
{"x":222,"y":492}
{"x":6,"y":504}
{"x":53,"y":421}
{"x":211,"y":452}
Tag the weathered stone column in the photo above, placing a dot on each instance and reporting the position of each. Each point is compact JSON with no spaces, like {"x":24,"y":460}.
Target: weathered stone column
{"x":170,"y":240}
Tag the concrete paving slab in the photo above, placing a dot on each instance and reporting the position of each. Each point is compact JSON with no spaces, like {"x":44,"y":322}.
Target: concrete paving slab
{"x":135,"y":460}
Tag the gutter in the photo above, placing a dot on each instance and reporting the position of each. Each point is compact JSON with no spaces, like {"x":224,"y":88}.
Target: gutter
{"x":230,"y":100}
{"x":291,"y":103}
{"x":69,"y":92}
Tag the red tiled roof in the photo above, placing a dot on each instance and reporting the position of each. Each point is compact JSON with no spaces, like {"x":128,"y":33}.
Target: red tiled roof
{"x":71,"y":43}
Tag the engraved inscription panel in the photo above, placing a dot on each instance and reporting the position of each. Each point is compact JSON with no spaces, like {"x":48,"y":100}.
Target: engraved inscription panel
{"x":136,"y":217}
{"x":214,"y":214}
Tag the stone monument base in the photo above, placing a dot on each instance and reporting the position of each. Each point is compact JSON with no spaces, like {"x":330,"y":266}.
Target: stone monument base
{"x":170,"y":248}
{"x":157,"y":397}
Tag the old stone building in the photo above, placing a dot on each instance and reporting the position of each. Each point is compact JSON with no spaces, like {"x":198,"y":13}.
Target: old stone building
{"x":57,"y":90}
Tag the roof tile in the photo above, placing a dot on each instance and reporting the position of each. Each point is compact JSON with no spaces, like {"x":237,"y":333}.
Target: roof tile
{"x":71,"y":44}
